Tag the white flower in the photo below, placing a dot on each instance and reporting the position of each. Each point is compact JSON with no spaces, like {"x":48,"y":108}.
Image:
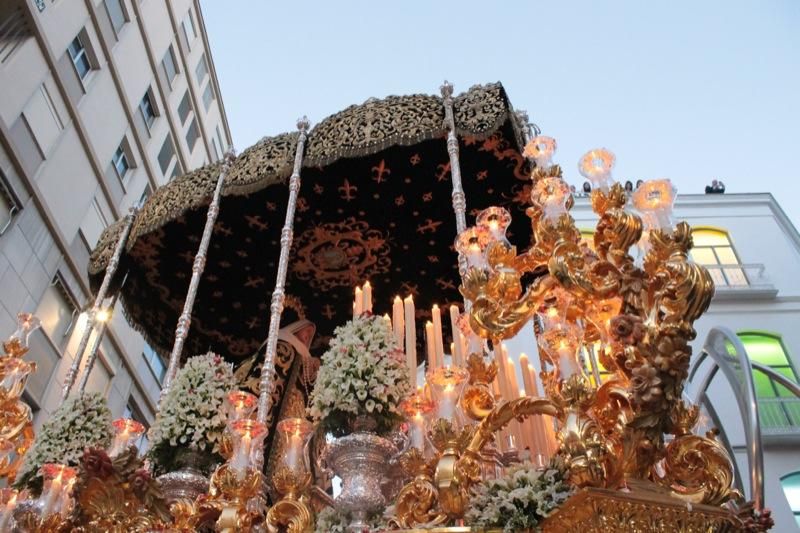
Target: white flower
{"x":190,"y":412}
{"x":81,"y":422}
{"x":361,"y":373}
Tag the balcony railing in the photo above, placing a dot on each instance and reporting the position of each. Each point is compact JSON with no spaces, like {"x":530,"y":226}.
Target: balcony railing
{"x":741,"y":278}
{"x":779,"y":416}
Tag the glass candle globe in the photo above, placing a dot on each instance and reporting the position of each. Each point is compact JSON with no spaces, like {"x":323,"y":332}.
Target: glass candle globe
{"x":295,"y":434}
{"x":600,"y":313}
{"x":595,"y":166}
{"x":561,"y":344}
{"x":551,"y":194}
{"x":8,"y":501}
{"x":126,"y":432}
{"x":471,"y":244}
{"x":654,"y":199}
{"x":417,"y":409}
{"x":14,"y":372}
{"x":495,"y":220}
{"x":247,"y":437}
{"x":541,"y":149}
{"x":446,"y":384}
{"x":240,"y":405}
{"x":17,"y":344}
{"x":552,"y":312}
{"x":58,"y":481}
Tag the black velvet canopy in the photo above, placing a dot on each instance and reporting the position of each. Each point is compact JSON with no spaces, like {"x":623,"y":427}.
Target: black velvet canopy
{"x":375,"y":204}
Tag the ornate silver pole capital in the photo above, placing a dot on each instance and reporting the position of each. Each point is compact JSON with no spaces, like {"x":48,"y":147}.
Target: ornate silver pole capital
{"x":267,"y":383}
{"x":446,"y":89}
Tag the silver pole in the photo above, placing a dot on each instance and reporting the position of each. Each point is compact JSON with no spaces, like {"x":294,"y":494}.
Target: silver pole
{"x":185,"y":320}
{"x":95,"y":346}
{"x":111,"y":269}
{"x":459,"y":200}
{"x":276,"y":306}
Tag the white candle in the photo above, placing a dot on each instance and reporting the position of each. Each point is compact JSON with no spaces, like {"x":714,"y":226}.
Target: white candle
{"x":567,"y":362}
{"x":474,"y":255}
{"x":438,"y":341}
{"x":447,"y":403}
{"x":7,"y":512}
{"x":293,"y":453}
{"x":411,"y":340}
{"x":458,"y":354}
{"x":387,"y":321}
{"x":52,"y":495}
{"x":530,"y":387}
{"x":367,"y":307}
{"x":418,"y":431}
{"x":397,"y":321}
{"x":359,"y":301}
{"x":241,"y":459}
{"x":429,"y":343}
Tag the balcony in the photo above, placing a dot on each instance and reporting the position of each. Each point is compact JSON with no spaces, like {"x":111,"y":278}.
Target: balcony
{"x":738,"y":281}
{"x":780,"y":420}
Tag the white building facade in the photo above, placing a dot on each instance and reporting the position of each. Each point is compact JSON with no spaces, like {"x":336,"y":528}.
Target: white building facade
{"x":752,"y":251}
{"x":102,"y":102}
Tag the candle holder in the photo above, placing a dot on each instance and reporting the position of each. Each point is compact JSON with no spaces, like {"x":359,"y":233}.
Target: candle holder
{"x":447,"y":383}
{"x":471,"y":246}
{"x":240,"y":405}
{"x":596,"y":166}
{"x":126,"y":432}
{"x":292,"y":478}
{"x":234,"y":484}
{"x":495,"y":220}
{"x":551,"y":195}
{"x":654,"y":200}
{"x":541,"y":149}
{"x":16,"y":426}
{"x":56,"y":496}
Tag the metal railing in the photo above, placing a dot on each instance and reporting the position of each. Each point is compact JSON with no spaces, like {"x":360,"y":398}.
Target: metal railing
{"x":739,"y":276}
{"x":779,"y":416}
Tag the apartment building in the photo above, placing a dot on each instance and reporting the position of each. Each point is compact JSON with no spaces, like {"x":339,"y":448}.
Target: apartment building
{"x":101,"y":101}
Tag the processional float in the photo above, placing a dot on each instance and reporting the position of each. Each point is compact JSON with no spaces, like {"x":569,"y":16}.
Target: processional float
{"x":355,"y":212}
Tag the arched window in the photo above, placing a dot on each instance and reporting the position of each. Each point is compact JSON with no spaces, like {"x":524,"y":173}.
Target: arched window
{"x":713,"y":249}
{"x":791,"y":488}
{"x":778,"y":408}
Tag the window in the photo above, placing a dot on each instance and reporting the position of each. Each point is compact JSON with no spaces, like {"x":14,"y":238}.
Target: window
{"x":208,"y":96}
{"x":177,"y":170}
{"x":166,"y":155}
{"x":147,"y":109}
{"x":145,"y":195}
{"x":192,"y":134}
{"x":713,"y":249}
{"x":184,"y":108}
{"x":216,"y":149}
{"x":169,"y":65}
{"x":201,"y":70}
{"x":116,"y":13}
{"x":791,"y":488}
{"x":57,"y":311}
{"x":9,"y":205}
{"x":80,"y":59}
{"x":120,"y":162}
{"x":219,"y":140}
{"x":188,"y":29}
{"x":155,"y":362}
{"x":777,"y":406}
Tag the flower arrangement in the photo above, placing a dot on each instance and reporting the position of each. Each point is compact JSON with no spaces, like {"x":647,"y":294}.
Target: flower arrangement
{"x":521,"y":499}
{"x":191,"y":417}
{"x":329,"y":520}
{"x":81,"y":422}
{"x":363,"y":374}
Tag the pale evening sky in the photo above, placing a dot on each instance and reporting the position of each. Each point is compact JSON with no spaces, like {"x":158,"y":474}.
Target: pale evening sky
{"x":686,"y":90}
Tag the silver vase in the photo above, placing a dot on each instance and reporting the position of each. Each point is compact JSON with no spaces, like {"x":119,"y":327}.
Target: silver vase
{"x":361,"y":461}
{"x":188,"y":481}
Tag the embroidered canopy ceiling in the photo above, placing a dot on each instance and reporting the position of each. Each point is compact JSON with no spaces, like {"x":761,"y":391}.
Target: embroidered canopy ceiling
{"x":374,"y":205}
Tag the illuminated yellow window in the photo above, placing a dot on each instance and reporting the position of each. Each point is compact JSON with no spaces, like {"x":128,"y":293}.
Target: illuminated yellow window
{"x":713,"y":249}
{"x":777,"y":406}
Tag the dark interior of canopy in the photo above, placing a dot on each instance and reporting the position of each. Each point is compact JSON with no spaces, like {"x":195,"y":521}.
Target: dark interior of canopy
{"x":386,"y":218}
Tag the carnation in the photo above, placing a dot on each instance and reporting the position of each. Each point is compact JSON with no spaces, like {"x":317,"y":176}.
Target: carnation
{"x":81,"y":422}
{"x":363,"y":373}
{"x":191,"y":416}
{"x":520,"y":499}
